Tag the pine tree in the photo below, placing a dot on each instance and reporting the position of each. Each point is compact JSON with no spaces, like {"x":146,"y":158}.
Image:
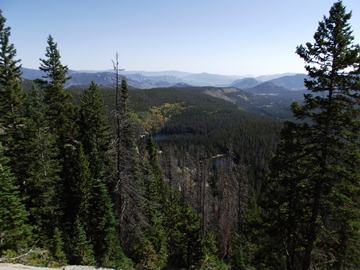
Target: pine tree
{"x":77,"y":188}
{"x":89,"y":204}
{"x":40,"y":168}
{"x":95,"y":139}
{"x":129,"y":184}
{"x":15,"y":233}
{"x":154,"y":253}
{"x":57,"y":249}
{"x":209,"y":253}
{"x":314,"y":183}
{"x":94,"y":131}
{"x":81,"y":248}
{"x":190,"y":236}
{"x":56,"y":73}
{"x":12,"y":95}
{"x":60,"y":112}
{"x":61,"y":116}
{"x":11,"y":98}
{"x":183,"y":233}
{"x":102,"y":229}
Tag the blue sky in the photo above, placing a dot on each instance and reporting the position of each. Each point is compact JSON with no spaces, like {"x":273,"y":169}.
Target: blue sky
{"x":230,"y":37}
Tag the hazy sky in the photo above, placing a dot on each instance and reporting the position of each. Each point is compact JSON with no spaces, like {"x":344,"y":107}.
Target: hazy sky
{"x":230,"y":37}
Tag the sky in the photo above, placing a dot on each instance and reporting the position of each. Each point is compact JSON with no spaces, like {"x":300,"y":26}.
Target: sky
{"x":228,"y":37}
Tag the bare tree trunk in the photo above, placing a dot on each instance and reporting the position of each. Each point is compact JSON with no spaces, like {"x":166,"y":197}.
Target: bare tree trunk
{"x":119,"y":181}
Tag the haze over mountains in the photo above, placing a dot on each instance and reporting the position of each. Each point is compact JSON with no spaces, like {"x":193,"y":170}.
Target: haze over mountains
{"x":144,"y":80}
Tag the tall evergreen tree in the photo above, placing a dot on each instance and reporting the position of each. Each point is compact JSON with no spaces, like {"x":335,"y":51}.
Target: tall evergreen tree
{"x":61,"y":115}
{"x":154,"y":253}
{"x":77,"y":188}
{"x":314,"y":185}
{"x":95,"y":139}
{"x":57,"y":249}
{"x":94,"y":131}
{"x":12,"y":95}
{"x":15,"y":233}
{"x":11,"y":98}
{"x":61,"y":112}
{"x":129,"y":184}
{"x":40,"y":168}
{"x":102,"y":229}
{"x":184,"y":241}
{"x":81,"y":249}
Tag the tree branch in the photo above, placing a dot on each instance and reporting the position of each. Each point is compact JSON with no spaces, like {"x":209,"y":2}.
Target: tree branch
{"x":18,"y":257}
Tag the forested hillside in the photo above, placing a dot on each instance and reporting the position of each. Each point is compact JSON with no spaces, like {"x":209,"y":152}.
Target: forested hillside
{"x":183,"y":177}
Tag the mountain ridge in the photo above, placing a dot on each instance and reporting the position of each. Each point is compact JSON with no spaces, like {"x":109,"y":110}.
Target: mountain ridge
{"x":146,"y":79}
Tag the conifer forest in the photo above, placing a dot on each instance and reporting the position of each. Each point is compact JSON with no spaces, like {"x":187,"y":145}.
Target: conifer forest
{"x":174,"y":178}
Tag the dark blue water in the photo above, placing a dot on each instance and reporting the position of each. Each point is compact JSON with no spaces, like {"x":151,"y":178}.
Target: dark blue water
{"x":160,"y":136}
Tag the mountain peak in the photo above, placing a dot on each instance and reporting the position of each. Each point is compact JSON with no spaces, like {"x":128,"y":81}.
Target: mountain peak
{"x":245,"y":83}
{"x":267,"y":88}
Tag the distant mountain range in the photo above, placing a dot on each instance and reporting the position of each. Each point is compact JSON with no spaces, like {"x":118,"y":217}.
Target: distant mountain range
{"x":289,"y":82}
{"x":269,"y":84}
